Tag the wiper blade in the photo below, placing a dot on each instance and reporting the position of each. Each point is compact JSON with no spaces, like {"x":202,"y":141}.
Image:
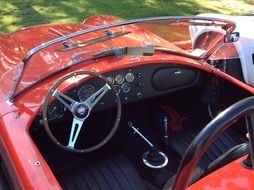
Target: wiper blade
{"x":129,"y":51}
{"x":118,"y":52}
{"x":108,"y":36}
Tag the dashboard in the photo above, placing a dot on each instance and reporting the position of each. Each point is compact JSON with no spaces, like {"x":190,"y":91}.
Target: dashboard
{"x":132,"y":84}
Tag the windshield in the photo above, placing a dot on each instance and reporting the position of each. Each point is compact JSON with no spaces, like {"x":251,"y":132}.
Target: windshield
{"x":177,"y":34}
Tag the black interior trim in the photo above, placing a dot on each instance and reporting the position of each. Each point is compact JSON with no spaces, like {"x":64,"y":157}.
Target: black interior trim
{"x":205,"y":138}
{"x":115,"y":173}
{"x":5,"y":180}
{"x":232,"y":154}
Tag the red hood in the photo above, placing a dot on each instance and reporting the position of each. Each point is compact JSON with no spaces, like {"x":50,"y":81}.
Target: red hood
{"x":15,"y":46}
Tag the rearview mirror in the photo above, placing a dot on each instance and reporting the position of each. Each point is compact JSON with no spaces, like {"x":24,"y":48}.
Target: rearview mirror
{"x":232,"y":37}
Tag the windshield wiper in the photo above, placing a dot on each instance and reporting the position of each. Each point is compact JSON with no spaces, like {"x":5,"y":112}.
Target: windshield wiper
{"x":127,"y":51}
{"x":140,"y":51}
{"x":109,"y":35}
{"x":118,"y":52}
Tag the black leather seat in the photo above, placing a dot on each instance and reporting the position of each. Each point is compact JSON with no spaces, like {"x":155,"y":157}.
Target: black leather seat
{"x":116,"y":173}
{"x":182,"y":131}
{"x":179,"y":142}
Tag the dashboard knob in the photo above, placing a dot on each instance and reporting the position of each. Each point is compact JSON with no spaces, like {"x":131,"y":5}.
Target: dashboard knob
{"x":141,"y":85}
{"x":139,"y":95}
{"x":140,"y":75}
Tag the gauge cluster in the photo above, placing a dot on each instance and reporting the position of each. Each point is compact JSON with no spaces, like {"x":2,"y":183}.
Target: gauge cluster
{"x":122,"y":82}
{"x":128,"y":83}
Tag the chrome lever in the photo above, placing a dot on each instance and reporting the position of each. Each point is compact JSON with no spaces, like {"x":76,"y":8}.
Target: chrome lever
{"x":136,"y":130}
{"x":153,"y":158}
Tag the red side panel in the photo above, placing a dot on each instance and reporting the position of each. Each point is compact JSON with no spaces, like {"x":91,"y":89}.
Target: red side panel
{"x":231,"y":177}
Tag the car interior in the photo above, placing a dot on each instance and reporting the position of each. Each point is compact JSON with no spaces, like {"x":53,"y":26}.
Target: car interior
{"x":164,"y":106}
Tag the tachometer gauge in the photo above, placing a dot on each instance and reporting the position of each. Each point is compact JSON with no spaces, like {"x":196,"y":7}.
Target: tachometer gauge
{"x":85,"y":92}
{"x":119,"y":79}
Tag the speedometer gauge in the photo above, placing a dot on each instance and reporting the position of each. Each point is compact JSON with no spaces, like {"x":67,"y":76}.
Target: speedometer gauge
{"x":85,"y":92}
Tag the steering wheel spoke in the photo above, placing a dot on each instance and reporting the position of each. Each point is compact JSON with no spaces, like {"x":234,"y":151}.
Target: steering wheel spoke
{"x":75,"y":130}
{"x":94,"y":98}
{"x":65,"y":100}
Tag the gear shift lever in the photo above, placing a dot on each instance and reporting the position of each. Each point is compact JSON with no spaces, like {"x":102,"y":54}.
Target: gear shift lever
{"x":153,"y":158}
{"x":166,"y":132}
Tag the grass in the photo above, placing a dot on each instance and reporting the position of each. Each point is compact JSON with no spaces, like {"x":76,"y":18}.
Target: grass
{"x":16,"y":14}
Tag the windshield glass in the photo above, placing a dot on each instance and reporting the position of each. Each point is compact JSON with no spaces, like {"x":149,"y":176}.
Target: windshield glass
{"x":187,"y":36}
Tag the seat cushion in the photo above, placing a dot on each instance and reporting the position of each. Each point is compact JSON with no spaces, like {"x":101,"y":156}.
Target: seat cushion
{"x":179,"y":142}
{"x":116,"y":173}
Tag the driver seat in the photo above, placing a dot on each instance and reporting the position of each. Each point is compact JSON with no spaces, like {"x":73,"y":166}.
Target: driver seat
{"x":115,"y":173}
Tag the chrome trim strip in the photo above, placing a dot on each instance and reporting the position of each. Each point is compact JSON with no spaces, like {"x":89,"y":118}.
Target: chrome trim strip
{"x":122,"y":23}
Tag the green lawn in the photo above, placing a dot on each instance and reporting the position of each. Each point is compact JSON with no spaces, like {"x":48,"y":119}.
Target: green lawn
{"x":16,"y":14}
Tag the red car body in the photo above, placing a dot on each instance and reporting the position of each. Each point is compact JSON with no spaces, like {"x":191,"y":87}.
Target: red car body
{"x":26,"y":166}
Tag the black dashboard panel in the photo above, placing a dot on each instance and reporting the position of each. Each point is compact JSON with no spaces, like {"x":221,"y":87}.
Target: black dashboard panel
{"x":134,"y":84}
{"x":154,"y":80}
{"x":172,"y":77}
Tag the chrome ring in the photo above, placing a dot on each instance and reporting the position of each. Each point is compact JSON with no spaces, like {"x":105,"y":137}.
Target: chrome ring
{"x":153,"y":166}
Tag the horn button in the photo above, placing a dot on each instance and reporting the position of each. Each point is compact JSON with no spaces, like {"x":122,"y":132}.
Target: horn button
{"x":81,"y":111}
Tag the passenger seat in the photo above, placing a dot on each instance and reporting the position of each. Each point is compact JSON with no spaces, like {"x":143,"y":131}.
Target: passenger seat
{"x":182,"y":131}
{"x":179,"y":142}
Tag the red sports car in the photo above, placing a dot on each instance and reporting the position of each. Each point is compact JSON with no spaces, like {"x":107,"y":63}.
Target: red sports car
{"x":143,"y":104}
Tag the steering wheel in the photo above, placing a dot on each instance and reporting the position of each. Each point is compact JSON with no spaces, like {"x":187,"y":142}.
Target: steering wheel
{"x":80,"y":110}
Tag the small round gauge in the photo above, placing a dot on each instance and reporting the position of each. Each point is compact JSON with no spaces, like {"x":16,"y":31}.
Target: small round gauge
{"x":111,"y":80}
{"x":85,"y":92}
{"x":125,"y":87}
{"x":129,"y":77}
{"x":117,"y":89}
{"x":119,"y":79}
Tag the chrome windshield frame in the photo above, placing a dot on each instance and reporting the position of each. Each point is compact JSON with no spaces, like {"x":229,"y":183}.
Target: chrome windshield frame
{"x":12,"y":94}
